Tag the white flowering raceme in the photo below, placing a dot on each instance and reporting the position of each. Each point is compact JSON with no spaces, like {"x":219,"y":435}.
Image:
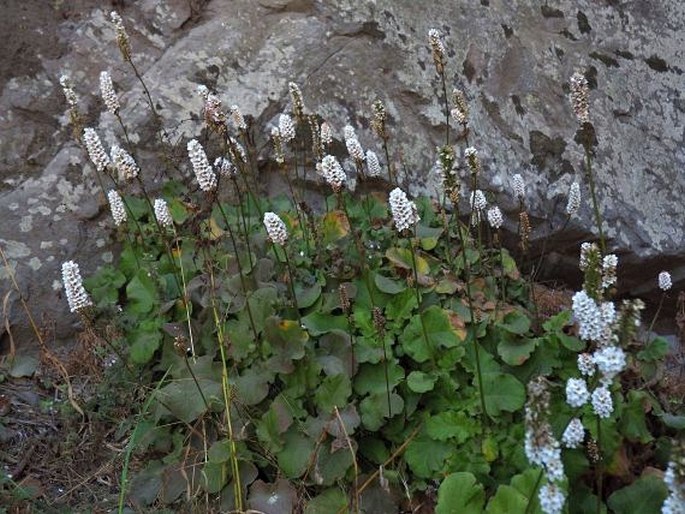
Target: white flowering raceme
{"x":586,"y":364}
{"x":238,"y":118}
{"x":372,"y":164}
{"x":116,"y":205}
{"x":107,"y":92}
{"x":472,"y":160}
{"x":73,"y":286}
{"x":124,"y":163}
{"x":574,"y":435}
{"x":437,"y":49}
{"x":275,"y":228}
{"x":675,"y":502}
{"x":203,"y":171}
{"x":577,"y":394}
{"x":580,"y":93}
{"x":665,"y":282}
{"x":162,"y":213}
{"x":348,"y":132}
{"x":225,"y":167}
{"x":296,"y":97}
{"x":68,"y":91}
{"x":354,"y":148}
{"x":96,"y":151}
{"x":495,"y":217}
{"x":332,"y":172}
{"x":518,"y":186}
{"x":478,"y":204}
{"x":203,"y":91}
{"x":602,"y":403}
{"x":573,"y":203}
{"x":326,"y":134}
{"x":121,"y":34}
{"x":236,"y":150}
{"x":404,"y":212}
{"x":610,"y":361}
{"x":552,"y":499}
{"x":588,"y":315}
{"x":461,"y":110}
{"x":286,"y":127}
{"x":586,"y":250}
{"x":609,"y":265}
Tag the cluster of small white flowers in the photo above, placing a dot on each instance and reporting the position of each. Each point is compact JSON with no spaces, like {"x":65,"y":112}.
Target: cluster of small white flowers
{"x":610,"y":361}
{"x":372,"y":164}
{"x":437,"y":48}
{"x":495,"y":217}
{"x":275,"y":228}
{"x":203,"y":171}
{"x":609,"y":264}
{"x":278,"y":145}
{"x":238,"y":118}
{"x":73,"y":286}
{"x":580,"y":93}
{"x":404,"y":212}
{"x":665,"y":282}
{"x":675,"y":502}
{"x":332,"y":172}
{"x":296,"y":97}
{"x":461,"y":110}
{"x":68,"y":91}
{"x":602,"y":403}
{"x":472,"y":160}
{"x":203,"y":91}
{"x":349,"y":132}
{"x":577,"y":394}
{"x":552,"y":499}
{"x":585,"y":250}
{"x":519,"y":186}
{"x":478,"y":204}
{"x":124,"y":163}
{"x":326,"y":134}
{"x":96,"y":151}
{"x":354,"y":147}
{"x":121,"y":34}
{"x":107,"y":92}
{"x":236,"y":150}
{"x":573,"y":199}
{"x":588,"y":315}
{"x":574,"y":435}
{"x":116,"y":205}
{"x":162,"y":213}
{"x":286,"y":127}
{"x":586,"y":364}
{"x":225,"y":167}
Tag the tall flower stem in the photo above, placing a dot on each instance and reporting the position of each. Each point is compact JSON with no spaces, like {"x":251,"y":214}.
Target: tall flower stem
{"x":291,"y":283}
{"x":246,"y":230}
{"x":416,"y":289}
{"x":447,"y":108}
{"x":600,"y":467}
{"x":595,"y":202}
{"x":531,"y":497}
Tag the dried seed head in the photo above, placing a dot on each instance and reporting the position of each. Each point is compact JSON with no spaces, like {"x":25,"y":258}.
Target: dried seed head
{"x":573,"y":199}
{"x":68,"y":90}
{"x":333,"y":173}
{"x":665,"y":282}
{"x":225,"y":167}
{"x":593,"y":452}
{"x":236,"y":150}
{"x":162,"y":213}
{"x":518,"y":186}
{"x":286,"y":127}
{"x":345,"y":304}
{"x":108,"y":94}
{"x":278,"y":145}
{"x":314,"y":131}
{"x":379,"y":119}
{"x":580,"y":93}
{"x":124,"y":163}
{"x":378,"y":321}
{"x":96,"y":151}
{"x":238,"y":119}
{"x":203,"y":171}
{"x":275,"y":228}
{"x":472,"y":160}
{"x":404,"y":212}
{"x":372,"y":164}
{"x":116,"y":205}
{"x":73,"y":286}
{"x":296,"y":97}
{"x":524,"y":224}
{"x":121,"y":35}
{"x":461,"y":108}
{"x":437,"y":49}
{"x":213,"y":114}
{"x":495,"y":218}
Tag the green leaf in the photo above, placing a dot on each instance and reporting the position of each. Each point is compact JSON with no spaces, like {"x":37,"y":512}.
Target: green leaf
{"x":371,"y":378}
{"x":502,"y":393}
{"x":280,"y":497}
{"x":374,"y":409}
{"x":515,"y":351}
{"x":252,"y":385}
{"x":328,"y":502}
{"x":333,"y":464}
{"x":145,"y":340}
{"x":460,"y":493}
{"x":426,"y":457}
{"x":294,"y":458}
{"x":273,"y":424}
{"x":439,"y":333}
{"x":307,"y":297}
{"x":572,"y":343}
{"x":514,"y":498}
{"x":286,"y":337}
{"x":655,"y":350}
{"x":141,"y":293}
{"x":633,"y":423}
{"x":334,"y":226}
{"x":220,"y":451}
{"x":318,"y":323}
{"x":389,"y":286}
{"x":401,"y":258}
{"x":557,"y":322}
{"x":428,"y":236}
{"x":23,"y":366}
{"x":456,"y":425}
{"x":104,"y":285}
{"x":215,"y":476}
{"x":646,"y":494}
{"x":673,"y":421}
{"x":333,"y":392}
{"x":421,"y":382}
{"x":516,"y":322}
{"x":401,"y":306}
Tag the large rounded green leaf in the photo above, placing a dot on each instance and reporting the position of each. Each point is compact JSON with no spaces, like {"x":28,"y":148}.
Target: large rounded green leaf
{"x":460,"y":493}
{"x":646,"y":494}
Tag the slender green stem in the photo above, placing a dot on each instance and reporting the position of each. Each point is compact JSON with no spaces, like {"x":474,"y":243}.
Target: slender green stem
{"x":600,"y":466}
{"x":246,"y":230}
{"x":387,"y":375}
{"x":595,"y":202}
{"x":197,"y":384}
{"x":291,"y":282}
{"x":186,"y":300}
{"x":531,"y":497}
{"x":447,"y":108}
{"x":418,"y":294}
{"x":656,"y":315}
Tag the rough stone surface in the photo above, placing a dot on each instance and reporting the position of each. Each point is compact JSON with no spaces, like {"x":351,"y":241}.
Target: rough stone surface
{"x":512,"y":58}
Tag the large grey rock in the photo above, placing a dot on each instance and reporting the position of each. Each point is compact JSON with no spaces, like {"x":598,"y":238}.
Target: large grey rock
{"x":512,"y":58}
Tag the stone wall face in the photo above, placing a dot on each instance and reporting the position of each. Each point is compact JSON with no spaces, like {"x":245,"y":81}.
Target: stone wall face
{"x":512,"y":58}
